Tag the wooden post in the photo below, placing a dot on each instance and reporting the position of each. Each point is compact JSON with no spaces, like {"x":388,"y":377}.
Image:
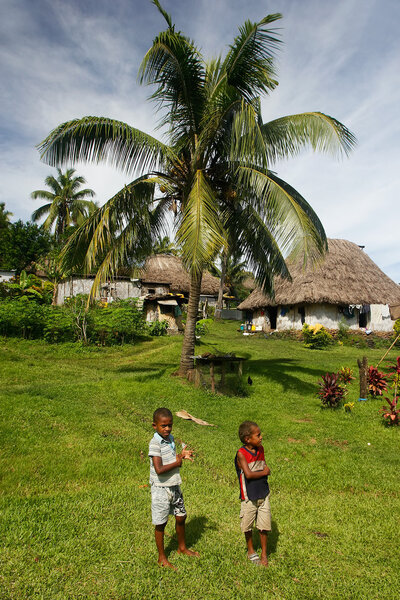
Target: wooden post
{"x":363,"y":369}
{"x":223,"y":367}
{"x":212,"y":377}
{"x":240,"y":369}
{"x":197,"y":376}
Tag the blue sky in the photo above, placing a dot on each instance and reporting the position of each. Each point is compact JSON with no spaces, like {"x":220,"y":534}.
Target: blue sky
{"x":62,"y":59}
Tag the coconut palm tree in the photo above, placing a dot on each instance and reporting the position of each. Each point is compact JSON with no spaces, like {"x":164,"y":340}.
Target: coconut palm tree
{"x":4,"y":216}
{"x":66,"y":202}
{"x":213,"y":172}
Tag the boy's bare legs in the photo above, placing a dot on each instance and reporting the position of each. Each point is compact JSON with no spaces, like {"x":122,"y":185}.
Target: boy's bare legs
{"x":263,"y":541}
{"x":180,"y":533}
{"x":249,"y":541}
{"x":159,"y":536}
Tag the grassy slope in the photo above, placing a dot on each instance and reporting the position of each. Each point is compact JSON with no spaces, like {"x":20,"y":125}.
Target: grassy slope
{"x":75,"y":514}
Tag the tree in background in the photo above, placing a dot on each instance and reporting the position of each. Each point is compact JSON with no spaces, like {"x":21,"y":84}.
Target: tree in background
{"x":22,"y":244}
{"x":163,"y":245}
{"x":214,"y":172}
{"x":4,"y":216}
{"x":66,"y":202}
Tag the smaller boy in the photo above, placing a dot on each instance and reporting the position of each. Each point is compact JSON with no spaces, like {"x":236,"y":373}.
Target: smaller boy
{"x":165,"y":480}
{"x":254,"y":490}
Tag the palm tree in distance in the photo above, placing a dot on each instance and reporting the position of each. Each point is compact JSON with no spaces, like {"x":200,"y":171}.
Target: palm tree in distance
{"x":4,"y":216}
{"x":213,"y":172}
{"x":66,"y":202}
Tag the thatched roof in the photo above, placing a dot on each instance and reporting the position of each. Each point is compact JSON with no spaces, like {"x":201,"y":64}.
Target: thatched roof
{"x":168,"y":269}
{"x":346,"y":276}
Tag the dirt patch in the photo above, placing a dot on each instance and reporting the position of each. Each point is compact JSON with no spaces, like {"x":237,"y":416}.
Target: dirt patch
{"x":305,"y":420}
{"x":313,"y":441}
{"x":293,"y":441}
{"x":337,"y":443}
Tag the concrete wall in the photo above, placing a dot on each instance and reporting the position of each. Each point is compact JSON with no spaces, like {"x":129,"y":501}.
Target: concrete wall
{"x":329,"y":315}
{"x":119,"y":289}
{"x":6,"y":275}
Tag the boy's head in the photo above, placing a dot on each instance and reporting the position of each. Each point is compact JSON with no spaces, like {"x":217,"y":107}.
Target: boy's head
{"x":162,"y":422}
{"x":250,"y":433}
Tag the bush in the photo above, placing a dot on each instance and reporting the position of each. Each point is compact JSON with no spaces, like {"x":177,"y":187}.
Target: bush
{"x":116,"y":323}
{"x":377,"y":383}
{"x":331,"y":392}
{"x":391,"y":415}
{"x":22,"y":317}
{"x":59,"y":325}
{"x":316,"y":336}
{"x":157,"y":328}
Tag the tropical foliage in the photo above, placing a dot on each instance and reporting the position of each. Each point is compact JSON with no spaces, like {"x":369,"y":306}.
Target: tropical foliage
{"x":331,"y":391}
{"x":66,"y":204}
{"x":22,"y":244}
{"x":214,"y":172}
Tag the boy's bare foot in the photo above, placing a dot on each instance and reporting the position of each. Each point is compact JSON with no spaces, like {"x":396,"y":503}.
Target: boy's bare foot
{"x":163,"y":562}
{"x":264,"y":561}
{"x":188,"y":552}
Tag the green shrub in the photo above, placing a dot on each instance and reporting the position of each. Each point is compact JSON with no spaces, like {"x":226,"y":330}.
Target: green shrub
{"x":316,"y":336}
{"x":59,"y":325}
{"x":157,"y":328}
{"x":22,"y":317}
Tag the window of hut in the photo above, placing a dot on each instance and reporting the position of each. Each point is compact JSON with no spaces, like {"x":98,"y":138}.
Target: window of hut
{"x":151,"y":291}
{"x":302,"y":313}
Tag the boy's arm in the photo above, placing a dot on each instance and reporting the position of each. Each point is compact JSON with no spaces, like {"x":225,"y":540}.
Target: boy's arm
{"x":160,"y":468}
{"x":243,"y":464}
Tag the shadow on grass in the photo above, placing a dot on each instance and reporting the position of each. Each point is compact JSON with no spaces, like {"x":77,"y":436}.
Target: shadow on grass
{"x":284,"y":371}
{"x":273,"y":538}
{"x":195,"y":529}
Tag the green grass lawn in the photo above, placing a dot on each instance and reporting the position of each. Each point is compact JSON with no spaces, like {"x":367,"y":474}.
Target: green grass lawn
{"x":75,"y":427}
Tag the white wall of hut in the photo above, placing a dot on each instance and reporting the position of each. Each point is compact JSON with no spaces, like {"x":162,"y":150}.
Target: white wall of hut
{"x":329,"y":315}
{"x":118,"y":289}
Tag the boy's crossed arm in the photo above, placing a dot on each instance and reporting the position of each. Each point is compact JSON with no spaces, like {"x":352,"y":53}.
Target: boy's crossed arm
{"x":251,"y":474}
{"x":160,"y":468}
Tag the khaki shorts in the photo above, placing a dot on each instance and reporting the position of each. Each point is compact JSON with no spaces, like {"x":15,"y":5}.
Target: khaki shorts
{"x":255,"y":510}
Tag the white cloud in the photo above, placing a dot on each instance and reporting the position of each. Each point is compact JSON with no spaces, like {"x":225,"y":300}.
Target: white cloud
{"x":59,"y":60}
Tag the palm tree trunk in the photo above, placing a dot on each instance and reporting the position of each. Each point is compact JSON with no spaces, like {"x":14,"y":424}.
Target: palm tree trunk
{"x":54,"y":299}
{"x":224,"y":262}
{"x":189,"y":337}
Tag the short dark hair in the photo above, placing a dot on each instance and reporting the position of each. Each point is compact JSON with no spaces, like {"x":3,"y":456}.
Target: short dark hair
{"x":245,"y":430}
{"x":161,"y":412}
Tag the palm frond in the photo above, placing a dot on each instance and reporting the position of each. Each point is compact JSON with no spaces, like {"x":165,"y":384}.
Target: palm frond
{"x":200,"y":232}
{"x":166,"y":16}
{"x":40,"y":212}
{"x":173,"y":64}
{"x":249,"y":63}
{"x":290,"y":218}
{"x":287,"y":136}
{"x":96,"y":139}
{"x":257,"y":243}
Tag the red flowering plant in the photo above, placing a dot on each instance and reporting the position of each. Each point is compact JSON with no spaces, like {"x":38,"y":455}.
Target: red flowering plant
{"x":345,"y":375}
{"x":331,"y":392}
{"x":377,"y":382}
{"x":391,"y":415}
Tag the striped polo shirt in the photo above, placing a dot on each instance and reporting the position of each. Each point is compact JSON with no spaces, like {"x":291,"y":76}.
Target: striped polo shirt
{"x":252,"y":489}
{"x":167,"y":451}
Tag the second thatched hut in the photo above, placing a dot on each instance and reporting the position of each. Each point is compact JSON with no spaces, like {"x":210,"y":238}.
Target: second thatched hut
{"x":346,"y":287}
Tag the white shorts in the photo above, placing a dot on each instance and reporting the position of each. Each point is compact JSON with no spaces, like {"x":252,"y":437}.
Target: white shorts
{"x":166,"y":501}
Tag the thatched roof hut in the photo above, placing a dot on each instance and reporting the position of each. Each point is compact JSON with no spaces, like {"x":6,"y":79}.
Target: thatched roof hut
{"x":346,"y":276}
{"x":168,"y":269}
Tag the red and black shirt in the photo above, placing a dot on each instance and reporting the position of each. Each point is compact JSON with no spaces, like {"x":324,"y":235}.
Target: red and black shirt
{"x":252,"y":489}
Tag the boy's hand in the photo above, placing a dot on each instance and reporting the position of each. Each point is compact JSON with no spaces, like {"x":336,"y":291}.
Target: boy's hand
{"x":267,"y":470}
{"x":187,"y":453}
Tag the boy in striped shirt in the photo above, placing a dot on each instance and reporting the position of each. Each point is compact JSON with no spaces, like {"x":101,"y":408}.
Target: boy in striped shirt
{"x":165,"y":480}
{"x":254,"y":490}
